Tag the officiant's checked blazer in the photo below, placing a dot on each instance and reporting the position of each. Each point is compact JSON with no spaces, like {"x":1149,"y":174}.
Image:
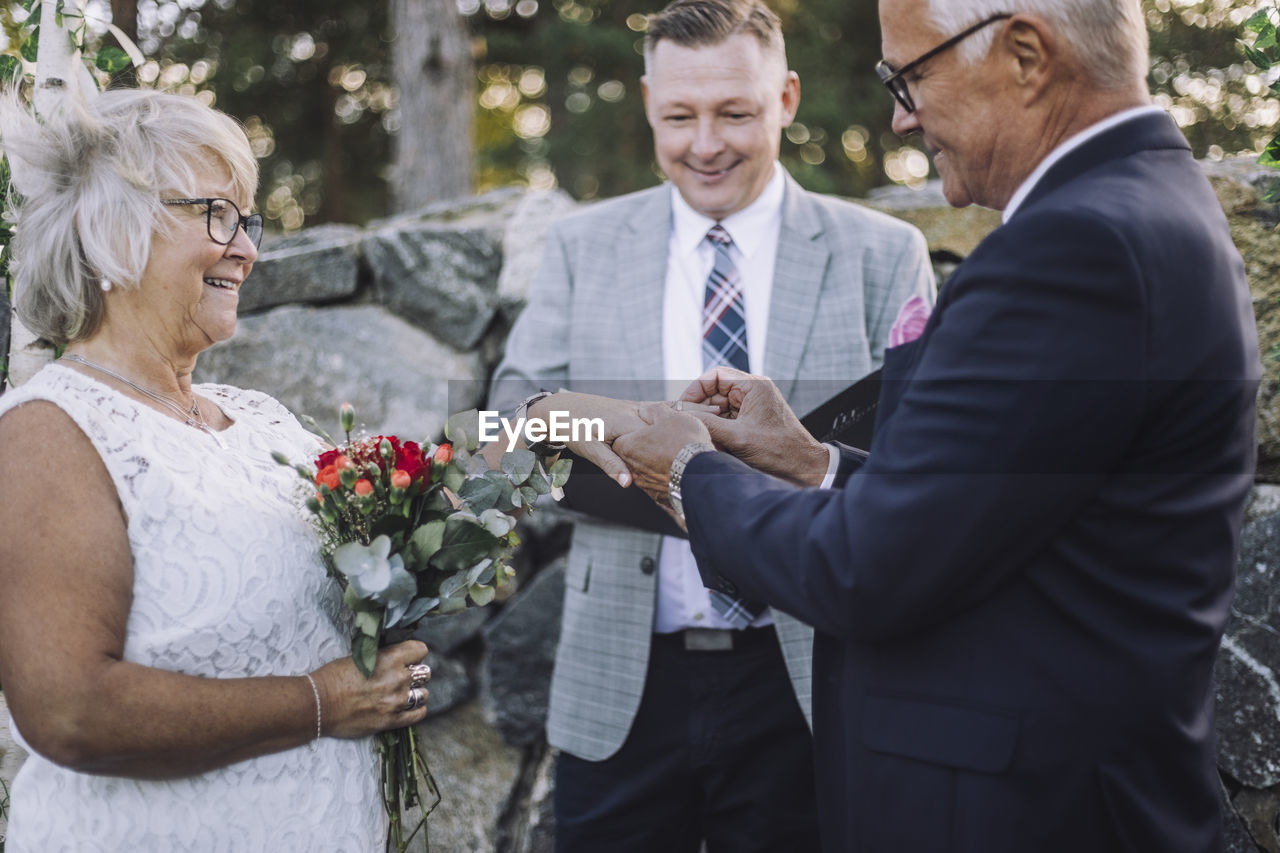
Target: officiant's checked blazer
{"x":595,"y":313}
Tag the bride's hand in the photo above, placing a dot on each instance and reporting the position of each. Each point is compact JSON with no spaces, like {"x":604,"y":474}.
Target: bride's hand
{"x":355,"y":706}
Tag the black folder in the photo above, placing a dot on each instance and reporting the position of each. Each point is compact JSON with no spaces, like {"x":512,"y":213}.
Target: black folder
{"x":849,"y":418}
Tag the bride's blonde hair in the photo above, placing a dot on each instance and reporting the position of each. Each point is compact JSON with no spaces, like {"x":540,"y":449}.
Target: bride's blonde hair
{"x":87,"y":183}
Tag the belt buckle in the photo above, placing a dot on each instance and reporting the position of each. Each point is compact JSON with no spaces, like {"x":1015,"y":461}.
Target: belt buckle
{"x":707,"y":640}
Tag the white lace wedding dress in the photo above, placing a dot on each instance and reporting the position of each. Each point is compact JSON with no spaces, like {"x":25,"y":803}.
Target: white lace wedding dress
{"x":228,"y":582}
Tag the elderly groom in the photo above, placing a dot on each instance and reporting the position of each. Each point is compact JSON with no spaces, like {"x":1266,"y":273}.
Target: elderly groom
{"x":1019,"y":595}
{"x":681,"y":718}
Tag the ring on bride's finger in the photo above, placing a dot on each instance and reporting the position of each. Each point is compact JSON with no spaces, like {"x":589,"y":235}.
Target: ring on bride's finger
{"x":419,"y":674}
{"x":416,"y":698}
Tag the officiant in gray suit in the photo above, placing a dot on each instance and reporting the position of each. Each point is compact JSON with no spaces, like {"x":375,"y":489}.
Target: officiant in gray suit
{"x":681,"y":717}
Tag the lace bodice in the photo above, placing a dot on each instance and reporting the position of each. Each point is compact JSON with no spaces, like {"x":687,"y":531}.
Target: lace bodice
{"x":228,"y":582}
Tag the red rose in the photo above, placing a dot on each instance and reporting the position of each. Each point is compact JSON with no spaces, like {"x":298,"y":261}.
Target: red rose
{"x":409,"y":459}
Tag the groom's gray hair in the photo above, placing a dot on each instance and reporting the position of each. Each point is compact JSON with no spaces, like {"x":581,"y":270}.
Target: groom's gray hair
{"x":1107,"y":37}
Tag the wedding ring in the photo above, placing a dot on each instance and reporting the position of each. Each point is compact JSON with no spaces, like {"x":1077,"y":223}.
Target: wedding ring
{"x":419,"y":675}
{"x":416,"y":698}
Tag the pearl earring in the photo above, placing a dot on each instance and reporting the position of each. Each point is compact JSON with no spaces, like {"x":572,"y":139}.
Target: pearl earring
{"x":105,"y":284}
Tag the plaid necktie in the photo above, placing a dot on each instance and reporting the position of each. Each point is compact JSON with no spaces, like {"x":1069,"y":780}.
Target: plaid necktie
{"x":724,"y":341}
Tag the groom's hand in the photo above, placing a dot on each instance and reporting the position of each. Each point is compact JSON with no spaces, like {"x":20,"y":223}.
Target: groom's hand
{"x":758,"y":427}
{"x":648,"y":451}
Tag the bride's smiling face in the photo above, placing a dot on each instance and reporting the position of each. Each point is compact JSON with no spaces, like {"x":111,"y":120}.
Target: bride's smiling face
{"x":190,"y":286}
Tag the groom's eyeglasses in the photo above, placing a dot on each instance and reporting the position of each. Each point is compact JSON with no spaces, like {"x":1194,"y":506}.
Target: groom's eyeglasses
{"x":222,"y":218}
{"x":895,"y":80}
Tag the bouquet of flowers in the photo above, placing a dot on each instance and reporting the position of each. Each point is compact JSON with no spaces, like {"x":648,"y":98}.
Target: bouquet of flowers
{"x":410,"y":530}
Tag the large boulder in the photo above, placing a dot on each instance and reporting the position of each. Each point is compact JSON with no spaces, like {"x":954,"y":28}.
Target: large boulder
{"x":476,"y":773}
{"x":317,"y":265}
{"x":399,"y":379}
{"x":515,"y":676}
{"x":1248,"y":669}
{"x":1241,"y":184}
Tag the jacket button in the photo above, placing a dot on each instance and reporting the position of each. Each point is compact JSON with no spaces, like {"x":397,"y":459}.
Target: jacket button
{"x":647,"y":565}
{"x":727,"y":586}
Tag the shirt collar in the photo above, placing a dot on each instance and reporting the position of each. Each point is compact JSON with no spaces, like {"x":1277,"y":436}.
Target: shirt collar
{"x":1066,"y":147}
{"x":747,"y":227}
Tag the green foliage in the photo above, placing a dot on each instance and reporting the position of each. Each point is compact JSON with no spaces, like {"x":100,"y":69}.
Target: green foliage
{"x":1264,"y":52}
{"x":559,"y":96}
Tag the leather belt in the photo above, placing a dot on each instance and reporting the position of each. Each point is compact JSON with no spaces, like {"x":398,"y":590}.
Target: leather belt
{"x":717,"y":639}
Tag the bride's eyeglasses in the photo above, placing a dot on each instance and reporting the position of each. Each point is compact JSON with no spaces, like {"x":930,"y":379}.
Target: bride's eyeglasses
{"x":223,"y":218}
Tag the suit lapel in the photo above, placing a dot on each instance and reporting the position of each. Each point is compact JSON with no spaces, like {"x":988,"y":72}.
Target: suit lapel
{"x":1141,"y":133}
{"x":641,"y":276}
{"x":798,"y":274}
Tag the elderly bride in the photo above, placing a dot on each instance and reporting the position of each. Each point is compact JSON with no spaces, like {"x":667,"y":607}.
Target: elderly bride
{"x":171,"y":649}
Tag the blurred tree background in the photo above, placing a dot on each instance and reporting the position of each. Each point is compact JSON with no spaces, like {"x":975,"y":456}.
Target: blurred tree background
{"x":556,"y":98}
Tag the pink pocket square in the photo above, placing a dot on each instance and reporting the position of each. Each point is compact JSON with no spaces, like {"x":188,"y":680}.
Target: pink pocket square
{"x":910,"y":323}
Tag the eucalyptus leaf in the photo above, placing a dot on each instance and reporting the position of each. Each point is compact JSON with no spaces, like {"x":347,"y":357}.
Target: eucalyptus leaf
{"x":450,"y":585}
{"x":517,"y":499}
{"x":476,"y":466}
{"x":369,"y":623}
{"x":517,"y":464}
{"x":529,"y":495}
{"x":463,"y":429}
{"x":453,"y":478}
{"x":419,"y":608}
{"x":481,"y":493}
{"x":496,"y":522}
{"x":481,"y":595}
{"x":538,"y":481}
{"x":453,"y":605}
{"x":426,"y":540}
{"x":475,"y":573}
{"x":560,"y":472}
{"x":364,"y":651}
{"x":465,"y":543}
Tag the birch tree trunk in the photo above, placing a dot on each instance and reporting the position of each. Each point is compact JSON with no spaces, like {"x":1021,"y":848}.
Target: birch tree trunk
{"x":59,"y":76}
{"x":435,"y":78}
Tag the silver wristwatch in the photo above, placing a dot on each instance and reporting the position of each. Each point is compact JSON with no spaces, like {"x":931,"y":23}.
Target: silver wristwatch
{"x":542,"y":448}
{"x":677,"y":472}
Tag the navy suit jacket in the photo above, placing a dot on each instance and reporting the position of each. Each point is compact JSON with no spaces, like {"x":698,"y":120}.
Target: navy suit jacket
{"x":1019,"y":596}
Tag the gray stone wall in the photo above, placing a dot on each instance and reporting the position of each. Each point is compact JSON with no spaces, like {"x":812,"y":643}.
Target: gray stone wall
{"x":406,"y":319}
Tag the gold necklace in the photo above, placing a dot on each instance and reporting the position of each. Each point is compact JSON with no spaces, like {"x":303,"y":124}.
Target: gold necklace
{"x":192,"y":417}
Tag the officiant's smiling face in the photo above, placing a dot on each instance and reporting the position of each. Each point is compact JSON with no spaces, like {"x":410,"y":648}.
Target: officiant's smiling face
{"x":717,"y":113}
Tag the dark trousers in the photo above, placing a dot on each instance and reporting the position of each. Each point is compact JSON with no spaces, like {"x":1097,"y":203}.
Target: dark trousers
{"x":719,"y":751}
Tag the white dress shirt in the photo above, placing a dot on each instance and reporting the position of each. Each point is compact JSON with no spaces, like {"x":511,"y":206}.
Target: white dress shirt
{"x":683,"y":601}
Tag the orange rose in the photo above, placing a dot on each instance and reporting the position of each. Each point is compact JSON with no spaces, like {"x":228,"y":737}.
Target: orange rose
{"x":443,"y":454}
{"x":329,"y":477}
{"x":363,"y":488}
{"x":400,"y":479}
